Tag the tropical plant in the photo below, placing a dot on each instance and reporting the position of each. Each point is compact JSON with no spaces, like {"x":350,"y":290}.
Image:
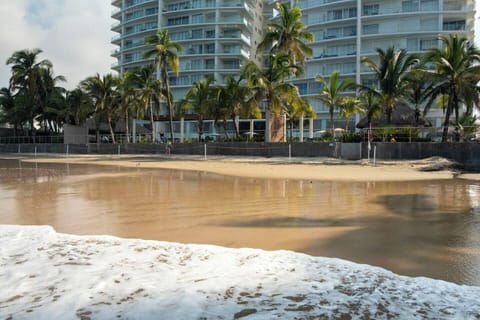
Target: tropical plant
{"x":127,"y":96}
{"x":146,"y":92}
{"x":287,"y":34}
{"x":79,"y":106}
{"x":331,"y":93}
{"x":349,"y":106}
{"x":200,"y":99}
{"x":456,"y":74}
{"x":26,"y":81}
{"x":102,"y":90}
{"x":298,"y":112}
{"x":166,"y":56}
{"x":420,"y":93}
{"x":8,"y":109}
{"x":270,"y":85}
{"x":233,"y":100}
{"x":391,"y":71}
{"x":371,"y":102}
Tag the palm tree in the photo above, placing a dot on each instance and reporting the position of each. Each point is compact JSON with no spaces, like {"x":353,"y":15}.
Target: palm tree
{"x":288,"y":34}
{"x":201,"y":99}
{"x":349,"y":106}
{"x":270,"y":85}
{"x":166,"y":56}
{"x":420,"y":92}
{"x":127,"y":96}
{"x":456,"y":73}
{"x":298,"y":112}
{"x":233,"y":100}
{"x":26,"y":81}
{"x":9,"y":112}
{"x":331,"y":91}
{"x":371,"y":102}
{"x":146,"y":88}
{"x":80,"y":106}
{"x":391,"y":72}
{"x":102,"y":90}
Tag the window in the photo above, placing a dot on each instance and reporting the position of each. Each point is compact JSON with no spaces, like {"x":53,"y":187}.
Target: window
{"x":197,"y":18}
{"x":177,"y":21}
{"x":197,"y":34}
{"x":210,"y":34}
{"x":370,"y":29}
{"x":427,"y":44}
{"x":429,"y":5}
{"x":410,"y":6}
{"x":454,"y":25}
{"x":371,"y":9}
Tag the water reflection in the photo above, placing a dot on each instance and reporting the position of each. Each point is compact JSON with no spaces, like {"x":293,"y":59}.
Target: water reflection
{"x":413,"y":228}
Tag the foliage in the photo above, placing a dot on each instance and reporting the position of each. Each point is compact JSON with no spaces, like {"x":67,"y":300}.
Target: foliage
{"x":391,"y":72}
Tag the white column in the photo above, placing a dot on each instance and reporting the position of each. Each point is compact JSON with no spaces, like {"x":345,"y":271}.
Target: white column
{"x":300,"y":128}
{"x":182,"y":129}
{"x":267,"y":126}
{"x":359,"y":49}
{"x":310,"y":128}
{"x":134,"y":130}
{"x":251,"y":129}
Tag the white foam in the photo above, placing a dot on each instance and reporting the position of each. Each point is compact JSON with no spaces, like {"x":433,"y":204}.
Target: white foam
{"x":47,"y":275}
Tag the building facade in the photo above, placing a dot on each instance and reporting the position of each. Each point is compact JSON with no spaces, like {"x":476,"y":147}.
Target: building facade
{"x":345,"y":31}
{"x":220,"y":36}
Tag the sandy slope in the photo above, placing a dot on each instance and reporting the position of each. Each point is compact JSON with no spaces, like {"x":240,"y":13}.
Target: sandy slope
{"x":304,"y":168}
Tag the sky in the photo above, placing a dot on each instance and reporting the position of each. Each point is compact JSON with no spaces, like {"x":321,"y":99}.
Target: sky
{"x":73,"y":34}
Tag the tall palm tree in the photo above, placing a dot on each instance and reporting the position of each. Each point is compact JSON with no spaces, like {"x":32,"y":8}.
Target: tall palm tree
{"x":146,"y":87}
{"x":371,"y":102}
{"x":391,"y":71}
{"x":127,"y":96}
{"x":102,"y":90}
{"x":166,"y":56}
{"x":288,"y":34}
{"x":270,"y":85}
{"x":9,"y":112}
{"x":298,"y":112}
{"x":420,"y":93}
{"x":80,"y":106}
{"x":200,"y":99}
{"x":26,"y":81}
{"x":349,"y":106}
{"x":456,"y":73}
{"x":331,"y":92}
{"x":233,"y":100}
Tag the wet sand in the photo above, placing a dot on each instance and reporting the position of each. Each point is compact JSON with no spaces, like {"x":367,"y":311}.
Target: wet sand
{"x":282,"y":168}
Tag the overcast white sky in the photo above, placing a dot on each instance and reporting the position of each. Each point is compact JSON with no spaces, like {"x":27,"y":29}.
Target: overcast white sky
{"x":74,"y":34}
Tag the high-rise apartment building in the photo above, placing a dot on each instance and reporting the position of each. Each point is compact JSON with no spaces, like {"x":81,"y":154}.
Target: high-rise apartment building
{"x":345,"y":31}
{"x":220,"y":36}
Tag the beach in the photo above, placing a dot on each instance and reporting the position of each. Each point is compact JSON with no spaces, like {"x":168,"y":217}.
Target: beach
{"x":48,"y":274}
{"x":281,"y":168}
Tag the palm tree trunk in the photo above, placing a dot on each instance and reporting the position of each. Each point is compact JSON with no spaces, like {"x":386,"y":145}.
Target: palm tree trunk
{"x":112,"y":134}
{"x":447,"y":120}
{"x":333,"y":124}
{"x":200,"y":129}
{"x":166,"y":84}
{"x":225,"y":129}
{"x":127,"y":127}
{"x":152,"y":122}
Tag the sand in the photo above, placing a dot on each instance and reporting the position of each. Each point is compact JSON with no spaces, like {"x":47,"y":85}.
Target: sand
{"x":281,"y":168}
